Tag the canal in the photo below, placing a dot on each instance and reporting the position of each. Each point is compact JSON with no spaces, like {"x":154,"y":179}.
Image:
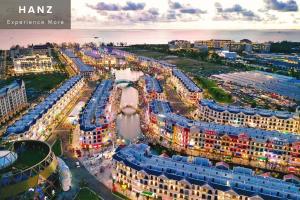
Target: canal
{"x":128,"y":122}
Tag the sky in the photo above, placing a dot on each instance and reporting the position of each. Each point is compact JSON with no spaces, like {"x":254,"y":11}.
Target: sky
{"x":185,"y":14}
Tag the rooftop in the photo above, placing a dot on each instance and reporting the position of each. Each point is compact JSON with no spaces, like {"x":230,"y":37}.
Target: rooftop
{"x":257,"y":134}
{"x":17,"y":84}
{"x":93,"y":115}
{"x":269,"y":82}
{"x":152,"y":84}
{"x":247,"y":111}
{"x":186,"y":81}
{"x":77,"y":62}
{"x":22,"y":125}
{"x":199,"y":171}
{"x":92,"y":53}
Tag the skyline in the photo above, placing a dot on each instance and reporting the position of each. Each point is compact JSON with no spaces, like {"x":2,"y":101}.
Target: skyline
{"x":190,"y":14}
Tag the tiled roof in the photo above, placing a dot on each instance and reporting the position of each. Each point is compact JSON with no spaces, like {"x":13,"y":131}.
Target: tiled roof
{"x":247,"y":111}
{"x":186,"y":81}
{"x":93,"y":115}
{"x":240,"y":180}
{"x":14,"y":85}
{"x":152,"y":84}
{"x":257,"y":134}
{"x":22,"y":125}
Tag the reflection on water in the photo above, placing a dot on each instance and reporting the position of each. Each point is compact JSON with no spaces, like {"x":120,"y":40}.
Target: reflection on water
{"x":130,"y":97}
{"x":128,"y":125}
{"x":127,"y":74}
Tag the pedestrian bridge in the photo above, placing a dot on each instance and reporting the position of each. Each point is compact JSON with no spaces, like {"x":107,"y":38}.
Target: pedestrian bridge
{"x":123,"y":81}
{"x":129,"y":110}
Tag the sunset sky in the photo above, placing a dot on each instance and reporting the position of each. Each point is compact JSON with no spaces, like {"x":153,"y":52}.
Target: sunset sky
{"x":185,"y":14}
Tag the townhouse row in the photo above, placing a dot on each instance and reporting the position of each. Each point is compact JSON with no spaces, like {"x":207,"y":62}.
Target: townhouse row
{"x":185,"y":87}
{"x":282,"y":121}
{"x":77,"y":65}
{"x":152,"y":88}
{"x":38,"y":121}
{"x":200,"y":138}
{"x":145,"y":174}
{"x":96,"y":121}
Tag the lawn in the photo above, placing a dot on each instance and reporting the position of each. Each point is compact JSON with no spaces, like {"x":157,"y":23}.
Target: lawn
{"x":26,"y":159}
{"x":87,"y":194}
{"x":56,"y":147}
{"x":214,"y":91}
{"x":37,"y":84}
{"x":189,"y":65}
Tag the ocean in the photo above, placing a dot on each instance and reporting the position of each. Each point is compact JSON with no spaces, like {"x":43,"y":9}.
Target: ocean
{"x":151,"y":36}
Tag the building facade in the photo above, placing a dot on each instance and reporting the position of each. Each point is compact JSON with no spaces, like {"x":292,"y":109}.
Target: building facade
{"x":237,"y":144}
{"x":96,"y":124}
{"x":185,"y":87}
{"x":176,"y":45}
{"x":153,"y":89}
{"x":35,"y":63}
{"x":12,"y":99}
{"x":38,"y":122}
{"x":145,"y":175}
{"x":210,"y":111}
{"x":77,"y":65}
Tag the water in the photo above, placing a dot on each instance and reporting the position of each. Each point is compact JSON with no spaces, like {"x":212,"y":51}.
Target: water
{"x":151,"y":36}
{"x":128,"y":124}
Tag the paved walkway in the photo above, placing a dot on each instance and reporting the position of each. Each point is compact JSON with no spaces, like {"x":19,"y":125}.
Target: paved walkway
{"x":79,"y":174}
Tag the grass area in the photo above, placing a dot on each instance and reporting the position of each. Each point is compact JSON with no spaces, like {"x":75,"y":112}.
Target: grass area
{"x":150,"y":54}
{"x":26,"y":159}
{"x":87,"y":194}
{"x":191,"y":65}
{"x":37,"y":84}
{"x":214,"y":91}
{"x":56,"y":147}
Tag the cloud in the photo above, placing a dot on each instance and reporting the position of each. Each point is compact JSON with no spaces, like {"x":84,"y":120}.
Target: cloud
{"x":175,"y":5}
{"x":192,"y":11}
{"x":133,"y":6}
{"x":236,"y":12}
{"x":185,"y":9}
{"x":101,"y":6}
{"x":289,"y":6}
{"x":130,"y":6}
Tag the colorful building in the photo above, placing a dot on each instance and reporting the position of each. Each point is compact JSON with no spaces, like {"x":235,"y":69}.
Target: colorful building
{"x":282,"y":121}
{"x":227,"y":142}
{"x":96,"y":120}
{"x":39,"y":120}
{"x":139,"y":173}
{"x":153,"y":88}
{"x":185,"y":87}
{"x":78,"y":66}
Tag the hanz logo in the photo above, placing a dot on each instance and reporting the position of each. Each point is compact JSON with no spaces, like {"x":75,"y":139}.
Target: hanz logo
{"x":35,"y":9}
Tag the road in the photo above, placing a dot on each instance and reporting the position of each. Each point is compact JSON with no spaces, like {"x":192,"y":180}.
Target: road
{"x":80,"y":174}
